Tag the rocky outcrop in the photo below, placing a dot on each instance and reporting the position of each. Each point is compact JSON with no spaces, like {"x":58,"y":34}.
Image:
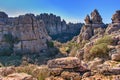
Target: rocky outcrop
{"x":115,"y":25}
{"x":67,"y":68}
{"x":95,"y":17}
{"x":87,"y":20}
{"x":116,"y":17}
{"x":30,"y":33}
{"x":93,"y":26}
{"x":58,"y":29}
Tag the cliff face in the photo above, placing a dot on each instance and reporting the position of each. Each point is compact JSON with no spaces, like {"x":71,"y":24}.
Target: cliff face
{"x":30,"y":33}
{"x":58,"y":29}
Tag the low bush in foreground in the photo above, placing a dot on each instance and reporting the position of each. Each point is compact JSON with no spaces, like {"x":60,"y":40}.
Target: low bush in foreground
{"x":99,"y":50}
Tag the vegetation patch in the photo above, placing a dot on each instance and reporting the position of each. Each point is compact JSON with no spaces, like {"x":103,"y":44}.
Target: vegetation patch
{"x":100,"y":48}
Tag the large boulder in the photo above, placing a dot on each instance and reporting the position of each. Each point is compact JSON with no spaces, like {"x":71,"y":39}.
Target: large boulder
{"x":115,"y":57}
{"x":19,"y":76}
{"x":68,"y":62}
{"x":55,"y":71}
{"x":4,"y":71}
{"x":93,"y":64}
{"x":70,"y":75}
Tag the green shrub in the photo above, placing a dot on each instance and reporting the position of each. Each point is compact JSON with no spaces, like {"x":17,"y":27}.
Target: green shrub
{"x":106,"y":39}
{"x":6,"y":51}
{"x":9,"y":38}
{"x":50,"y":44}
{"x":12,"y":60}
{"x":26,"y":69}
{"x":99,"y":50}
{"x":41,"y":73}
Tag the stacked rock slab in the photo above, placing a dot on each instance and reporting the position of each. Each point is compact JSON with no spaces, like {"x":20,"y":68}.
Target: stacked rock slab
{"x":93,"y":26}
{"x":68,"y":68}
{"x":69,"y":63}
{"x":30,"y":32}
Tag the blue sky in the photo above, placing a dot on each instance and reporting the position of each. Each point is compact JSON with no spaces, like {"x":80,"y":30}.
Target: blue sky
{"x":70,"y":10}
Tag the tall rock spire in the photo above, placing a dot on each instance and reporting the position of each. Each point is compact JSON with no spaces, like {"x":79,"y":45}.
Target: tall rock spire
{"x":87,"y":19}
{"x":96,"y":17}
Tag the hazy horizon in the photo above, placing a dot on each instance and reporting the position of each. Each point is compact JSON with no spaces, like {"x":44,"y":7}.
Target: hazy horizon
{"x":71,"y":11}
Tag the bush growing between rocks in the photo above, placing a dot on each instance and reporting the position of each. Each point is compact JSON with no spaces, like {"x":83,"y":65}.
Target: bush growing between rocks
{"x":6,"y":51}
{"x":106,"y":39}
{"x":10,"y":39}
{"x":50,"y":44}
{"x":99,"y":49}
{"x":76,"y":47}
{"x":41,"y":73}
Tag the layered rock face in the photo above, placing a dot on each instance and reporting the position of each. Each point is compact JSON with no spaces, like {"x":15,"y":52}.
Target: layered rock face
{"x":29,"y":31}
{"x":58,"y":29}
{"x":93,"y":26}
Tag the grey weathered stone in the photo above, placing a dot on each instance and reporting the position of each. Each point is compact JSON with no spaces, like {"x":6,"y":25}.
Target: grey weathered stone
{"x":68,"y":62}
{"x":30,"y":31}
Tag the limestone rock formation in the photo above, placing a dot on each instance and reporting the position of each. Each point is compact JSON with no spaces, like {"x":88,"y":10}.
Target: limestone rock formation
{"x":115,"y":25}
{"x":67,"y":68}
{"x":30,"y":32}
{"x":116,"y":17}
{"x":93,"y":26}
{"x":87,"y":19}
{"x":58,"y":29}
{"x":95,"y":17}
